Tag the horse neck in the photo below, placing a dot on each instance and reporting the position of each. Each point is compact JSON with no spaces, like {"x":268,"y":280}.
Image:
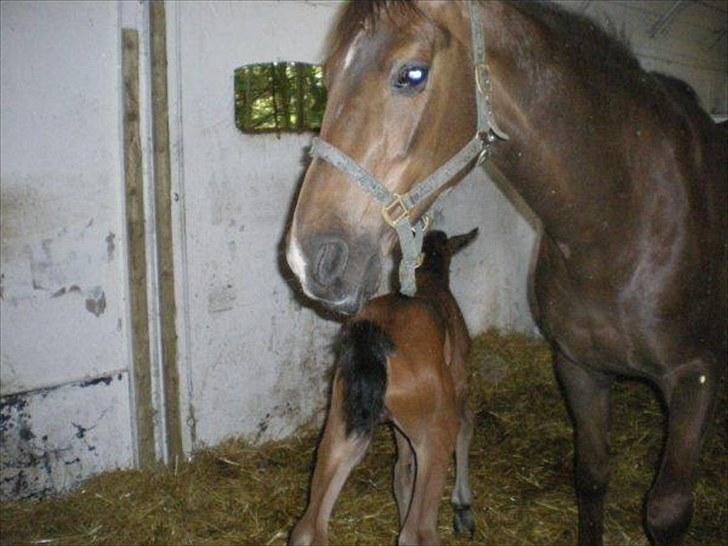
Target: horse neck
{"x":565,"y":156}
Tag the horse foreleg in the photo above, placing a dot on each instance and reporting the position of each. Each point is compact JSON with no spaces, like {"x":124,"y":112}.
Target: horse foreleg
{"x":588,"y":396}
{"x":690,"y":393}
{"x":336,"y":457}
{"x":404,"y":475}
{"x":462,"y":496}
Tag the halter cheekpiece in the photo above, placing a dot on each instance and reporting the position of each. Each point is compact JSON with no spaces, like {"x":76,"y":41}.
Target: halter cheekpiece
{"x":396,"y":207}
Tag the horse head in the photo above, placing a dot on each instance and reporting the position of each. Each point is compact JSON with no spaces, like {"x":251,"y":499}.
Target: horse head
{"x":400,"y":104}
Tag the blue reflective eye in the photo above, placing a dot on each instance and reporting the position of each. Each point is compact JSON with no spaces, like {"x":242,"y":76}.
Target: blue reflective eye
{"x":410,"y":77}
{"x":415,"y":75}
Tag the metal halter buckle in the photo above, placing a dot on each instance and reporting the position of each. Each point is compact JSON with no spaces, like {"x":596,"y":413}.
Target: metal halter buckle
{"x":483,"y":156}
{"x":388,"y":211}
{"x":487,"y":138}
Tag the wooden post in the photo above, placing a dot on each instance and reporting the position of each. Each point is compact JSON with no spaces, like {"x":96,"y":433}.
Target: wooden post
{"x":137,"y":266}
{"x":163,"y":199}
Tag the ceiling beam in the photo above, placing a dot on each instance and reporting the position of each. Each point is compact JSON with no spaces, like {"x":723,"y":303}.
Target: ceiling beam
{"x":719,"y":38}
{"x":664,"y":22}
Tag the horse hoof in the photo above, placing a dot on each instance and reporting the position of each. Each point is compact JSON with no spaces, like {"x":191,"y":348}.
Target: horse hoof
{"x":463,"y":521}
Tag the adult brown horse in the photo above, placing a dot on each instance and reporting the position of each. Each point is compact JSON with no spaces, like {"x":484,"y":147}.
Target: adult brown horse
{"x":627,"y":175}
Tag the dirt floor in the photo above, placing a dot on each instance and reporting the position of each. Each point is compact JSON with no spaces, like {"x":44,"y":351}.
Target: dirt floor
{"x":521,"y":461}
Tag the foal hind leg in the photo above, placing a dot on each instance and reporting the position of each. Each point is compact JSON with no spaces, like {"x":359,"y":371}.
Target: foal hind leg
{"x":588,"y":395}
{"x":432,"y":456}
{"x":336,"y":457}
{"x":690,"y":394}
{"x":404,"y":474}
{"x":462,"y":496}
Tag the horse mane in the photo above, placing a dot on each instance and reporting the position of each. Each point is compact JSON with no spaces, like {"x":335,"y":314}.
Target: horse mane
{"x":680,"y":87}
{"x":587,"y":44}
{"x":360,"y":14}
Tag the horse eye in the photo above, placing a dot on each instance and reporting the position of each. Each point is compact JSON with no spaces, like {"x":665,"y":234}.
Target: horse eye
{"x":411,"y":77}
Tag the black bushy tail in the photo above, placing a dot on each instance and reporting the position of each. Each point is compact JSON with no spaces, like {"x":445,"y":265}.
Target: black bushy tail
{"x":362,"y":363}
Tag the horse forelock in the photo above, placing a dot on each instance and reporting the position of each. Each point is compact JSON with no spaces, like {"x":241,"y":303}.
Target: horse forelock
{"x":358,"y":15}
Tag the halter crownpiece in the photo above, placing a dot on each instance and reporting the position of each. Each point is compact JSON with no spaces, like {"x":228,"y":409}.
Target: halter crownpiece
{"x":396,"y":207}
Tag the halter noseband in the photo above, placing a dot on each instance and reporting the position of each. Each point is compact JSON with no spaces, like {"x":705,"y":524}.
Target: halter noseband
{"x":396,"y":208}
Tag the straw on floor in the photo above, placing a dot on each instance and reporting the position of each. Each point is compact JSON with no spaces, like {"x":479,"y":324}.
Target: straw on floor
{"x":521,"y":461}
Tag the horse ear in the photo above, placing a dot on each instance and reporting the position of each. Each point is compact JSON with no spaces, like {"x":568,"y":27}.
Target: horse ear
{"x":459,"y":242}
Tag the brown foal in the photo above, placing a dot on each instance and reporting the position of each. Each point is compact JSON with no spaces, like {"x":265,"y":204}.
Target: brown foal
{"x":401,"y":360}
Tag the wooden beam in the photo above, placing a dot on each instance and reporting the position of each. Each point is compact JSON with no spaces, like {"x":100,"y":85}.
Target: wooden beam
{"x":137,"y":265}
{"x":163,"y":200}
{"x":664,"y":22}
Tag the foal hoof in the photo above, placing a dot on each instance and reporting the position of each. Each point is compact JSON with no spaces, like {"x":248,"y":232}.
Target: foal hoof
{"x":463,"y":521}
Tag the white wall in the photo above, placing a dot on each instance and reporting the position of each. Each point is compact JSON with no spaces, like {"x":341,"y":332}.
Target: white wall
{"x":252,"y":359}
{"x":64,"y":381}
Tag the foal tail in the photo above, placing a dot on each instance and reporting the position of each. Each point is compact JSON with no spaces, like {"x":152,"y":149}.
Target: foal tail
{"x":362,"y":364}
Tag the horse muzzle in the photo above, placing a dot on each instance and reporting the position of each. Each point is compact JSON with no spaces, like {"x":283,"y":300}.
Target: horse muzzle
{"x":340,"y":275}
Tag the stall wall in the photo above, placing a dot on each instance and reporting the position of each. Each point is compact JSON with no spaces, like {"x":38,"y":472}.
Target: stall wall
{"x":64,"y":378}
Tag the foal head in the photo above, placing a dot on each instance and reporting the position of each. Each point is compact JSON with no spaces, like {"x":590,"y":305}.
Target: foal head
{"x":438,"y":251}
{"x":400,"y":103}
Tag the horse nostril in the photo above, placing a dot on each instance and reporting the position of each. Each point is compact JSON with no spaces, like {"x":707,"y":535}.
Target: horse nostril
{"x":330,"y":261}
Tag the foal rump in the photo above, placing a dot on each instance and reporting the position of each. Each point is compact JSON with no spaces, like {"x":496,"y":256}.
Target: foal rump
{"x":363,"y":349}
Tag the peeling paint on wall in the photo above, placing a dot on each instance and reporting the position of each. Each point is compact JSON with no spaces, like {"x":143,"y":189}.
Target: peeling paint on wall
{"x":110,"y":246}
{"x":42,"y":456}
{"x":96,"y":301}
{"x":60,"y":218}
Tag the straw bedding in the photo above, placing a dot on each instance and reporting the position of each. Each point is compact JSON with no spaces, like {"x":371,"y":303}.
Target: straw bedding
{"x":521,"y":461}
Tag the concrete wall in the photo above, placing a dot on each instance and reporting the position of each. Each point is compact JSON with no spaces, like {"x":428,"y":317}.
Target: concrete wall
{"x":64,"y":378}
